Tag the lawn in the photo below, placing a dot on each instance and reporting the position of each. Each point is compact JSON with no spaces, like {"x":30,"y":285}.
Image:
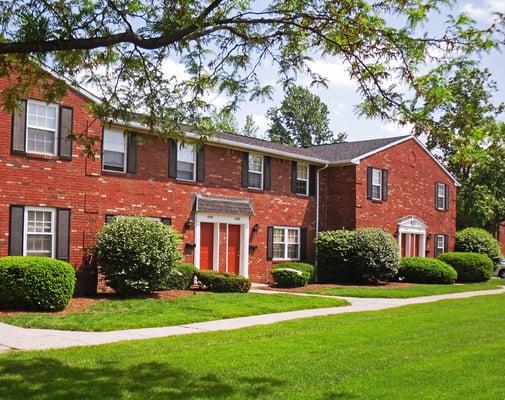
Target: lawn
{"x":415,"y":290}
{"x":446,"y":350}
{"x":107,"y":315}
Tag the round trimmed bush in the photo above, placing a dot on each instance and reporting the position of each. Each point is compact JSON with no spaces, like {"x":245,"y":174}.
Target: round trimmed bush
{"x":333,"y":255}
{"x":426,"y":270}
{"x":309,"y":269}
{"x":476,"y":240}
{"x":373,"y":255}
{"x":223,"y":282}
{"x":179,"y":278}
{"x":471,"y":267}
{"x":136,"y":254}
{"x":35,"y":283}
{"x":289,"y":277}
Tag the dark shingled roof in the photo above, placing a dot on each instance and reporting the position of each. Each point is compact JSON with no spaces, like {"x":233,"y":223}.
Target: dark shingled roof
{"x":223,"y":205}
{"x":348,"y":150}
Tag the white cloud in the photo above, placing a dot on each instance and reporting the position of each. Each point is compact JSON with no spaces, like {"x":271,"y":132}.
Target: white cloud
{"x":262,"y":122}
{"x":333,"y":71}
{"x":484,"y":11}
{"x":171,"y":68}
{"x":393,"y":129}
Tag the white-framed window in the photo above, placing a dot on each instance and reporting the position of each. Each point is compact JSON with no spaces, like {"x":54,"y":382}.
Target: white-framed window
{"x":41,"y":127}
{"x":114,"y":150}
{"x":39,"y":231}
{"x":302,"y":179}
{"x":255,"y":177}
{"x":286,"y":243}
{"x":441,"y":196}
{"x":186,"y":162}
{"x":439,"y":244}
{"x":376,"y":184}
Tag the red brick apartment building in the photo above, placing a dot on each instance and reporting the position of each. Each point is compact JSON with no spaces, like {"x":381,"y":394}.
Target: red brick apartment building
{"x":242,"y":204}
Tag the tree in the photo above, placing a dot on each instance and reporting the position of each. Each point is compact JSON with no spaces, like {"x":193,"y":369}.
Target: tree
{"x":250,"y":128}
{"x":121,"y":47}
{"x":301,"y":120}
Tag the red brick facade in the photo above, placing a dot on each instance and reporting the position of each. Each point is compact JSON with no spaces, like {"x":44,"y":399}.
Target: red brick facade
{"x":91,"y":194}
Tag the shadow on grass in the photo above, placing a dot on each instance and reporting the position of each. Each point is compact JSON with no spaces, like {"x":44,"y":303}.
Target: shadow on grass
{"x":49,"y":379}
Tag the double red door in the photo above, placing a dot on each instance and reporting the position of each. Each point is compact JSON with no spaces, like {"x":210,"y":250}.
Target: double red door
{"x":232,"y":250}
{"x":410,"y":242}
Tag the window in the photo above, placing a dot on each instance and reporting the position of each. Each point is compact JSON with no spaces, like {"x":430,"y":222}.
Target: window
{"x":441,"y":196}
{"x":255,"y":178}
{"x":186,"y":162}
{"x":286,"y":243}
{"x":302,"y":179}
{"x":114,"y":150}
{"x":110,"y":218}
{"x":439,"y":245}
{"x":39,"y":232}
{"x":376,"y":184}
{"x":41,"y":128}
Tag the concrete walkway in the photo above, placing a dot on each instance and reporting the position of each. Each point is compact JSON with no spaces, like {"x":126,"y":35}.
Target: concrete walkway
{"x":15,"y":338}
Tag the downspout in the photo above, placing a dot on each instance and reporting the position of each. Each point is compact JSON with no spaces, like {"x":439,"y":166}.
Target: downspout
{"x":317,"y":205}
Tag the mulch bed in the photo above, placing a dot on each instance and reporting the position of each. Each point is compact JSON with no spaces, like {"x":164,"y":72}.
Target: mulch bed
{"x":317,"y":286}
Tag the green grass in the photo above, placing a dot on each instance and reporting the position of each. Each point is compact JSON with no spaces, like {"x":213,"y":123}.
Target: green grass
{"x":446,"y":350}
{"x":144,"y":313}
{"x":415,"y":290}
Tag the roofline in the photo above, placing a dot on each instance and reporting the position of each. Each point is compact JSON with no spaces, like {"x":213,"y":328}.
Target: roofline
{"x":358,"y":159}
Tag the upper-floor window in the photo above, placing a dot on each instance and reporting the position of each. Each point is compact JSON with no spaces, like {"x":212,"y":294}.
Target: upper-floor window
{"x":39,"y":231}
{"x":255,"y":174}
{"x":441,"y":196}
{"x":376,"y":184}
{"x":41,"y":127}
{"x":302,"y":179}
{"x":286,"y":243}
{"x":186,"y":162}
{"x":114,"y":150}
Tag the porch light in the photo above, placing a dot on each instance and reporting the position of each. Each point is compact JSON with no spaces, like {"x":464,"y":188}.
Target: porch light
{"x":256,"y":227}
{"x":188,"y":224}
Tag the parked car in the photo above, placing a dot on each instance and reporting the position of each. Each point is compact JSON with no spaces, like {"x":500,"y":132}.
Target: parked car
{"x":501,"y":269}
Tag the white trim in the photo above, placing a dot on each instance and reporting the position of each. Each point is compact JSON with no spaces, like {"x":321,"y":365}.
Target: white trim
{"x":52,"y":233}
{"x":379,"y":185}
{"x":286,"y":229}
{"x":303,"y":180}
{"x":180,"y":145}
{"x":56,"y":126}
{"x":215,"y":248}
{"x":125,"y":139}
{"x":412,"y":225}
{"x":443,"y":197}
{"x":261,"y":173}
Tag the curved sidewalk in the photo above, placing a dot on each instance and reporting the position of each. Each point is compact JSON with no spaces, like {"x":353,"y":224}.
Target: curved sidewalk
{"x":16,"y":338}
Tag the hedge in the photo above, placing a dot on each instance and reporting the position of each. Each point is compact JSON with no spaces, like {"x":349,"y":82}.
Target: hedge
{"x":223,"y":282}
{"x":136,"y":254}
{"x":426,"y":270}
{"x":476,"y":240}
{"x":179,"y":278}
{"x":35,"y":283}
{"x":333,"y":255}
{"x":471,"y":267}
{"x":289,"y":277}
{"x":309,"y":269}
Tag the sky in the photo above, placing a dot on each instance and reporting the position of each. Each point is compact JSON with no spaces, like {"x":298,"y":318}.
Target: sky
{"x":341,"y":96}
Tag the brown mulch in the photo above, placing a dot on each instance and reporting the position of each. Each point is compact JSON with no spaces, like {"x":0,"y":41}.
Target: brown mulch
{"x":316,"y":286}
{"x":78,"y":304}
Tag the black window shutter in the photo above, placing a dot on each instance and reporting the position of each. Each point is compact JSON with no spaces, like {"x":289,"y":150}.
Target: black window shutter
{"x":303,"y":244}
{"x":65,"y":133}
{"x":245,"y":169}
{"x":18,"y":138}
{"x":436,"y":195}
{"x":446,"y":243}
{"x":294,"y":169}
{"x":446,"y":205}
{"x":200,"y":164}
{"x":267,"y":173}
{"x":63,"y":234}
{"x":270,"y":243}
{"x":17,"y":216}
{"x":131,"y":156}
{"x":369,"y":182}
{"x":384,"y":184}
{"x":312,"y":180}
{"x":166,"y":220}
{"x":172,"y":158}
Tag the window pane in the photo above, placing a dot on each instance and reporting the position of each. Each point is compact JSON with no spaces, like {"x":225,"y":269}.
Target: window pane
{"x":39,"y":245}
{"x":293,"y":251}
{"x":301,"y":187}
{"x":441,"y":190}
{"x":39,"y":222}
{"x":186,"y":153}
{"x":376,"y":177}
{"x":255,"y":163}
{"x":185,"y":170}
{"x":41,"y":116}
{"x":114,"y":140}
{"x":302,"y":171}
{"x":278,"y":250}
{"x":376,"y":192}
{"x":40,"y":141}
{"x":254,"y":180}
{"x":292,"y":235}
{"x":440,"y":242}
{"x":278,"y":235}
{"x":113,"y":161}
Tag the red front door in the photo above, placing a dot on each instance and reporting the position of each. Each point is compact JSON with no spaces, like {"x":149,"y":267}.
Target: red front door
{"x":411,"y":242}
{"x":234,"y":249}
{"x":206,"y":245}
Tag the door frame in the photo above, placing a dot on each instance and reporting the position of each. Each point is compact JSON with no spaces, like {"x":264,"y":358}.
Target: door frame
{"x":412,"y":225}
{"x":217,"y":220}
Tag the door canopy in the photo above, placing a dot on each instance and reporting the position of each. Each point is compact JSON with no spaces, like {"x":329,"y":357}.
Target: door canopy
{"x":411,"y":224}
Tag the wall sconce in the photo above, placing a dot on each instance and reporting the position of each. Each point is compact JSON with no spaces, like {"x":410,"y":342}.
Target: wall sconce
{"x":256,"y":228}
{"x":188,"y":224}
{"x":190,"y":245}
{"x":252,"y":248}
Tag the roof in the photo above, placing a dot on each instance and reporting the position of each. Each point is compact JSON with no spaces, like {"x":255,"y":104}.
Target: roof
{"x":223,"y":205}
{"x":350,"y":151}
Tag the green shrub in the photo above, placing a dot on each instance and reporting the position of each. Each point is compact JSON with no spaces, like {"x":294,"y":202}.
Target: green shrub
{"x":136,"y":254}
{"x":179,"y":278}
{"x":471,"y":267}
{"x":476,"y":240}
{"x":223,"y":282}
{"x":289,"y":277}
{"x":426,"y":270}
{"x":35,"y":283}
{"x":309,"y":269}
{"x":333,"y":255}
{"x":373,"y":255}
